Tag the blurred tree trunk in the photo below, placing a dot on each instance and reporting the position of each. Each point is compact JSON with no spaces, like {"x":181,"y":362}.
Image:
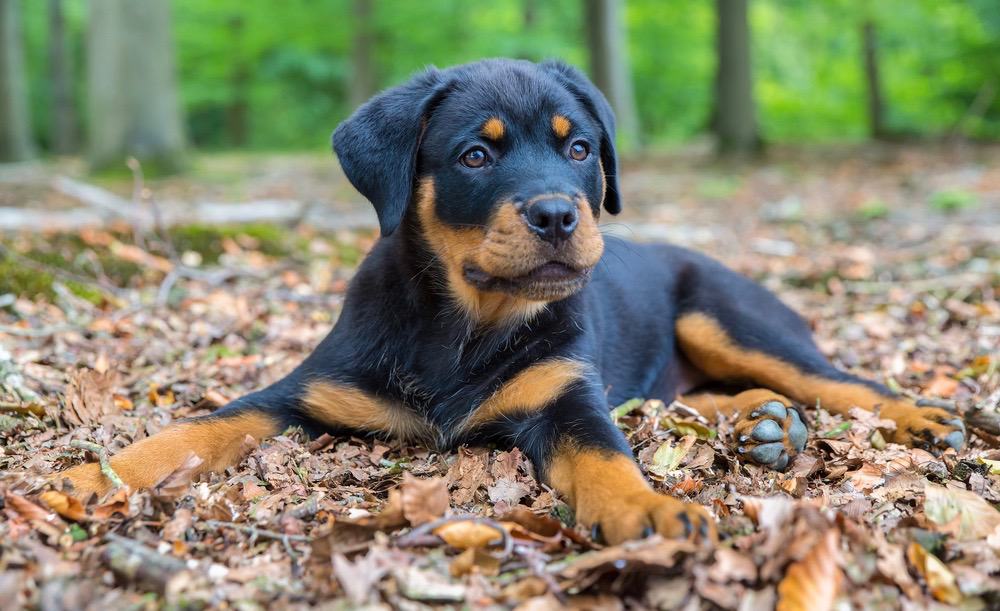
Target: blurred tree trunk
{"x":876,"y":107}
{"x":363,"y":79}
{"x":238,"y":109}
{"x":65,"y":134}
{"x":609,"y":67}
{"x":15,"y":116}
{"x":134,"y":110}
{"x":734,"y":119}
{"x":529,"y":20}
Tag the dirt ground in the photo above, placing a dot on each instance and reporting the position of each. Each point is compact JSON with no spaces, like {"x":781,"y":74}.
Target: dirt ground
{"x":108,"y":334}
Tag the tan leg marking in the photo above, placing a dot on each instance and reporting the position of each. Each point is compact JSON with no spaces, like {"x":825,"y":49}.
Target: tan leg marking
{"x":607,"y":489}
{"x":529,"y":391}
{"x":707,"y":345}
{"x":341,"y":406}
{"x":218,"y":442}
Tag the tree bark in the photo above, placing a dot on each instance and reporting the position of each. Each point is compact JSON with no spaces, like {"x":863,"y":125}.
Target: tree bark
{"x":15,"y":116}
{"x":876,"y":106}
{"x":609,"y":66}
{"x":734,"y":119}
{"x":65,"y":129}
{"x":134,"y":110}
{"x":238,"y":109}
{"x":362,"y":84}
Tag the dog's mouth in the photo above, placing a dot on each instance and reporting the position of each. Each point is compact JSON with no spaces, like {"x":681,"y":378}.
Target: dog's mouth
{"x":547,"y":282}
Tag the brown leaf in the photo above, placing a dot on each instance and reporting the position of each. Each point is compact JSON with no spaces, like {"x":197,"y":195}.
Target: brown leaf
{"x":67,"y":506}
{"x":960,"y":513}
{"x":474,"y":559}
{"x":468,"y":534}
{"x":89,"y":397}
{"x":178,"y":482}
{"x":424,"y":499}
{"x":181,"y":521}
{"x":940,"y":582}
{"x":812,"y":584}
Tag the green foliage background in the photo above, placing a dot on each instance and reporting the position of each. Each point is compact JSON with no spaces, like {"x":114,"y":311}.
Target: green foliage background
{"x":936,"y":56}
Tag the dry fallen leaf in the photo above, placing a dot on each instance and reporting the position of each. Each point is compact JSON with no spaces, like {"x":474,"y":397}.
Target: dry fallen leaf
{"x":474,"y":559}
{"x":812,"y":584}
{"x":940,"y":582}
{"x":961,"y":513}
{"x":67,"y":506}
{"x":467,"y":534}
{"x":423,"y":499}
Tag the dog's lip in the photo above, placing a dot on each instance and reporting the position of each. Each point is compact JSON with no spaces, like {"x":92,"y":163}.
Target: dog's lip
{"x":551,"y":271}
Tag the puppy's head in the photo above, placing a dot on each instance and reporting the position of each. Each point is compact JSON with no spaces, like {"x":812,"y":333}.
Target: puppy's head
{"x":503,"y":166}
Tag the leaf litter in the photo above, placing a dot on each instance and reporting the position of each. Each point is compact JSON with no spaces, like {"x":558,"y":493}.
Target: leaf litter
{"x":911,"y":298}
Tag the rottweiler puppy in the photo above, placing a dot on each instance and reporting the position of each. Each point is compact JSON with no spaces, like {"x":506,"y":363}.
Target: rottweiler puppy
{"x":493,"y":311}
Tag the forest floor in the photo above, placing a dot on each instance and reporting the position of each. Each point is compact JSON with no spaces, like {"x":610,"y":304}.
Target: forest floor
{"x":110,"y":333}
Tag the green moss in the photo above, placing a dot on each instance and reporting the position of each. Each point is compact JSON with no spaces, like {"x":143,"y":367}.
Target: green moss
{"x":17,"y":279}
{"x":272,"y":240}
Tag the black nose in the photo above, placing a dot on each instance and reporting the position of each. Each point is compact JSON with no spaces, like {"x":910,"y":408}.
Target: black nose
{"x":552,"y":219}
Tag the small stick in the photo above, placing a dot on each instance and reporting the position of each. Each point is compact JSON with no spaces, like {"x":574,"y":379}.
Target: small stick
{"x":22,"y":409}
{"x":258,"y":532}
{"x":102,"y":456}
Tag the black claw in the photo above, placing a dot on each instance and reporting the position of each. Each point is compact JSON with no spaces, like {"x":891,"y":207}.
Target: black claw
{"x":781,"y":463}
{"x":596,"y":534}
{"x":755,"y":413}
{"x":744,"y":438}
{"x":647,"y":532}
{"x":703,"y":529}
{"x":688,"y":529}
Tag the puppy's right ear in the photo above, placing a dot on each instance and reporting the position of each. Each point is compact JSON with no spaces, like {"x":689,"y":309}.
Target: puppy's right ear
{"x":377,"y":145}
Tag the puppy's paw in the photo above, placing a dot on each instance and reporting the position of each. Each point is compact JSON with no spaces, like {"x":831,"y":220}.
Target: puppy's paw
{"x":647,"y":513}
{"x":928,"y":428}
{"x":770,"y":431}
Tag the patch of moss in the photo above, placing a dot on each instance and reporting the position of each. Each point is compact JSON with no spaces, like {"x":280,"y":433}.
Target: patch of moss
{"x":30,"y":283}
{"x":272,"y":240}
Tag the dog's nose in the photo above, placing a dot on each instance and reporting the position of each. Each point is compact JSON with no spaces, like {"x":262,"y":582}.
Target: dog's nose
{"x":552,"y":219}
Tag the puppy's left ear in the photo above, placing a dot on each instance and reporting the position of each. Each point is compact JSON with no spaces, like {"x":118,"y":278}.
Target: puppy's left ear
{"x":597,"y":105}
{"x":377,"y":145}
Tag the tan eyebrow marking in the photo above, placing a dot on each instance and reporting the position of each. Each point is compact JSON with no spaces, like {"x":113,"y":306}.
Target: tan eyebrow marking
{"x":561,"y":125}
{"x":493,"y":128}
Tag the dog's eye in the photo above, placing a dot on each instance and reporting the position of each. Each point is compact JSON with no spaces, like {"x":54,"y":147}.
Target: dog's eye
{"x":579,"y":150}
{"x":475,"y":157}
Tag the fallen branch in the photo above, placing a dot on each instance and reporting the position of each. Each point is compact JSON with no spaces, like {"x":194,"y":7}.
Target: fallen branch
{"x":138,"y":564}
{"x":22,"y":409}
{"x":256,"y":533}
{"x":102,"y":456}
{"x":101,"y":199}
{"x":921,"y":285}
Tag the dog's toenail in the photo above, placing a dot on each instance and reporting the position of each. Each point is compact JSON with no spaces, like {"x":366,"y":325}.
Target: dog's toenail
{"x":647,"y":532}
{"x":767,"y":430}
{"x":687,"y":524}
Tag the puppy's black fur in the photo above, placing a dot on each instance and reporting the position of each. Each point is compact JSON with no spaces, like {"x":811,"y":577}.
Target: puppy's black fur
{"x":487,"y":313}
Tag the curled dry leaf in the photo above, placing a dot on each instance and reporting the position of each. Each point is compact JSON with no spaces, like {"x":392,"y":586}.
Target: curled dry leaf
{"x":812,"y":584}
{"x":474,"y":559}
{"x":423,"y":499}
{"x":67,"y":506}
{"x":468,"y":534}
{"x":178,"y":482}
{"x":89,"y":396}
{"x":961,"y":513}
{"x":940,"y":582}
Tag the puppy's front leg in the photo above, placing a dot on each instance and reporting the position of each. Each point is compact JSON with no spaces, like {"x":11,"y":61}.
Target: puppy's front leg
{"x":581,"y":454}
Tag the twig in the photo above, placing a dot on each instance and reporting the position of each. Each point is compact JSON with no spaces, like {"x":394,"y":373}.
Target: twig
{"x":102,"y":456}
{"x":255,"y":532}
{"x":23,"y":409}
{"x":921,"y":285}
{"x":136,"y":563}
{"x":39,"y":332}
